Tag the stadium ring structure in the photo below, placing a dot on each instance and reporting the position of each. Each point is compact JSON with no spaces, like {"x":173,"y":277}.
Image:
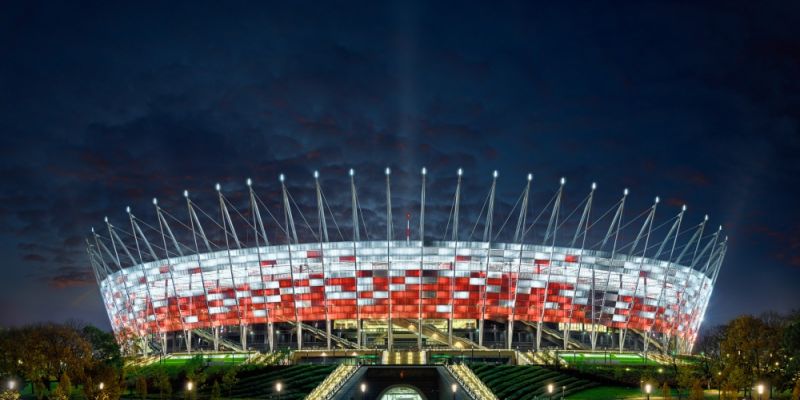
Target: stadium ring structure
{"x":562,"y":289}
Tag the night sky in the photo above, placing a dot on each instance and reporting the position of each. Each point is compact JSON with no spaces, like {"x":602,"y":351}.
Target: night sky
{"x":105,"y":106}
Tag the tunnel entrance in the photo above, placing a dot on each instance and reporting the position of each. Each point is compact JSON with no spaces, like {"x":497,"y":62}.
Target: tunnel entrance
{"x":401,"y":392}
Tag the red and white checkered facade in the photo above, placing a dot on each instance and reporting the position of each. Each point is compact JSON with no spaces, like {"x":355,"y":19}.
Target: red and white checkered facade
{"x":371,"y":279}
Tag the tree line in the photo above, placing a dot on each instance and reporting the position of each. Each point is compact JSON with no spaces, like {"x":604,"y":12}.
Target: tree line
{"x":749,"y":351}
{"x":74,"y":354}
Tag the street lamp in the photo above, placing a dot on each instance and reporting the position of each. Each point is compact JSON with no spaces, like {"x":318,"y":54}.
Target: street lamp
{"x":760,"y":389}
{"x":550,"y":390}
{"x":278,"y":387}
{"x":454,"y":387}
{"x":563,"y":388}
{"x":647,"y":389}
{"x":11,"y":384}
{"x":363,"y":390}
{"x":101,"y":385}
{"x":189,"y":386}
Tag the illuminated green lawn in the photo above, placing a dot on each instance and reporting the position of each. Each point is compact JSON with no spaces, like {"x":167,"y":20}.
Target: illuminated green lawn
{"x":601,"y":358}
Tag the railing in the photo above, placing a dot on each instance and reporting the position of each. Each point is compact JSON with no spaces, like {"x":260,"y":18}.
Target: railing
{"x":328,"y":388}
{"x":470,"y":382}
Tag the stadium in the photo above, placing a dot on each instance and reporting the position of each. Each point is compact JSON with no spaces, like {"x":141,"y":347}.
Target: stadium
{"x":572,"y":279}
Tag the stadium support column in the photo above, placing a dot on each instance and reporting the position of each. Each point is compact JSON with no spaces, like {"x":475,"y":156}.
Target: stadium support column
{"x":456,"y":204}
{"x":323,"y":237}
{"x":519,"y":237}
{"x":162,"y":225}
{"x":552,"y":229}
{"x":487,"y":238}
{"x":421,"y":258}
{"x":195,"y":221}
{"x":676,"y":227}
{"x":583,"y":224}
{"x":648,"y":226}
{"x":136,"y":231}
{"x":390,"y":327}
{"x":613,"y":228}
{"x":227,"y":222}
{"x":290,"y":229}
{"x":129,"y":304}
{"x":258,"y":225}
{"x":694,"y":240}
{"x":356,"y":239}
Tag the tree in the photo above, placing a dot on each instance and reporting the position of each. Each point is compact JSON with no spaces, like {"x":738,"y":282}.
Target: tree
{"x":229,"y":379}
{"x":164,"y":385}
{"x":104,"y":345}
{"x":696,"y":392}
{"x":749,"y":348}
{"x":64,"y":388}
{"x":141,"y":387}
{"x":216,"y":393}
{"x":666,"y":392}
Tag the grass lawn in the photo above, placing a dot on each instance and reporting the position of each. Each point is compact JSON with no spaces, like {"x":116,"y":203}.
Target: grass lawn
{"x":608,"y":392}
{"x":603,"y":358}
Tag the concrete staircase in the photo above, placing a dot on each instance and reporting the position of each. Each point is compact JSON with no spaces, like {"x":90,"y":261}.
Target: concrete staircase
{"x":328,"y":388}
{"x":470,"y":382}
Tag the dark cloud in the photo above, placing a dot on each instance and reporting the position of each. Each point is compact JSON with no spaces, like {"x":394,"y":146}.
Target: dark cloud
{"x":109,"y":108}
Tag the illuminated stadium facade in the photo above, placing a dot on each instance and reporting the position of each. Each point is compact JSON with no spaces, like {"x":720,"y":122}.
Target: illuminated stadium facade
{"x":562,"y":290}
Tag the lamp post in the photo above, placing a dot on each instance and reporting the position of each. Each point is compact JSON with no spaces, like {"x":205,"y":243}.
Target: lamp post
{"x":278,"y":387}
{"x":363,"y":390}
{"x":550,"y":390}
{"x":454,"y":388}
{"x":760,"y":389}
{"x":647,"y":389}
{"x":563,"y":389}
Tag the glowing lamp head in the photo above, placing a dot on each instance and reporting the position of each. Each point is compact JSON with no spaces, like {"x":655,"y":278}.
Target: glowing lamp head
{"x":218,"y":187}
{"x":563,"y":181}
{"x":281,"y":177}
{"x":550,"y":388}
{"x":424,"y":171}
{"x":316,"y":174}
{"x":648,"y":388}
{"x":278,"y":386}
{"x":363,"y":387}
{"x":387,"y":171}
{"x":683,"y":207}
{"x":11,"y":385}
{"x":625,"y":192}
{"x":105,"y":219}
{"x":657,"y":200}
{"x":454,"y":387}
{"x":186,"y":194}
{"x":594,"y":185}
{"x":155,"y":201}
{"x":530,"y":177}
{"x":189,"y":386}
{"x":495,"y":174}
{"x":101,"y":385}
{"x":760,"y":388}
{"x":460,"y":172}
{"x":92,"y":229}
{"x":128,"y":209}
{"x":705,"y":218}
{"x":249,"y":182}
{"x":351,"y":172}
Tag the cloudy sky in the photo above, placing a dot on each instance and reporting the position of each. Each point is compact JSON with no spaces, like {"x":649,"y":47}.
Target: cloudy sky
{"x":104,"y":106}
